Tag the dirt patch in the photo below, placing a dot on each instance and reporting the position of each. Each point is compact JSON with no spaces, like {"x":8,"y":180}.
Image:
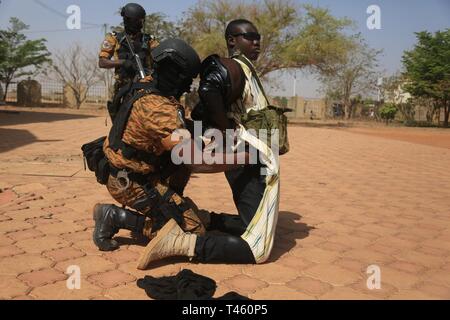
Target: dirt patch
{"x":425,"y":136}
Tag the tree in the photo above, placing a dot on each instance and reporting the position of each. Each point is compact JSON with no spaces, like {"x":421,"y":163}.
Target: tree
{"x":293,"y":37}
{"x":106,"y":76}
{"x":20,"y":57}
{"x":78,"y":70}
{"x":281,"y":101}
{"x":431,"y":107}
{"x":388,"y":112}
{"x":427,"y":69}
{"x":392,"y":91}
{"x":157,"y":25}
{"x":356,"y":76}
{"x":391,"y":87}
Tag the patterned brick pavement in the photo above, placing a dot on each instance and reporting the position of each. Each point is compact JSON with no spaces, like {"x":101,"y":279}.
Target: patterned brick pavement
{"x":348,"y":201}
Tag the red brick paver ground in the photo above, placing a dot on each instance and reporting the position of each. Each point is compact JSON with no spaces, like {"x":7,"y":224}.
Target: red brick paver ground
{"x":348,"y":201}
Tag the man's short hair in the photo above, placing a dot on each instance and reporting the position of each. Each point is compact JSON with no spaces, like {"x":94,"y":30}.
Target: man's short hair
{"x":232,"y":26}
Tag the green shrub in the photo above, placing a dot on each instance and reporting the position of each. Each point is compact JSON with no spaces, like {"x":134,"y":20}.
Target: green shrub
{"x":388,"y":112}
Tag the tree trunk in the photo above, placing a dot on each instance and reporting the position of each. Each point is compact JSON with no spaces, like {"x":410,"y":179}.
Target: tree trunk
{"x":78,"y":97}
{"x":439,"y":116}
{"x":447,"y":113}
{"x":6,"y":90}
{"x":79,"y":103}
{"x":431,"y":115}
{"x":348,"y":110}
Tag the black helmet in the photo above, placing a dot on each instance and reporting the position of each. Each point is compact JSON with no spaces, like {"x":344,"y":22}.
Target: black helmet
{"x":133,"y":11}
{"x":179,"y":52}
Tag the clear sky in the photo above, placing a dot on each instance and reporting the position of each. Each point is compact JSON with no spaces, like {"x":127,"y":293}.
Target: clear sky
{"x":399,"y":20}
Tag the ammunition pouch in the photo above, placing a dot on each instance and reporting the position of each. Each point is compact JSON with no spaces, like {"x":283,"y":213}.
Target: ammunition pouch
{"x":141,"y":48}
{"x":96,"y":160}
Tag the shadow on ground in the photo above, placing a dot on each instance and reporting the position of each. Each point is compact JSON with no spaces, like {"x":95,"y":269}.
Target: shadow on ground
{"x":11,"y":118}
{"x":11,"y":139}
{"x":289,"y":231}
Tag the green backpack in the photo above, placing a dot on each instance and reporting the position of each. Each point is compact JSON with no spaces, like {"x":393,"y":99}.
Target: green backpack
{"x":270,"y":118}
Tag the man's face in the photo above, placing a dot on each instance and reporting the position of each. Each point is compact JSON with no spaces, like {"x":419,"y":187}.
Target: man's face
{"x":245,"y":39}
{"x":133,"y":26}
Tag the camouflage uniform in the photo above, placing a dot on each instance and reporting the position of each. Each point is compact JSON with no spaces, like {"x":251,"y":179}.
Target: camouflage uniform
{"x":113,"y":47}
{"x":152,"y":121}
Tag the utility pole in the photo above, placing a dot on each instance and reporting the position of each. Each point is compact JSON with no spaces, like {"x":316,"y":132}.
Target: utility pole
{"x":295,"y":84}
{"x":294,"y":98}
{"x":379,"y":84}
{"x":105,"y":31}
{"x":105,"y":28}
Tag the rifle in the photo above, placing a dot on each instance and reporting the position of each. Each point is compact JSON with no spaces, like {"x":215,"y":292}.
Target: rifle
{"x":137,"y":58}
{"x":121,"y":96}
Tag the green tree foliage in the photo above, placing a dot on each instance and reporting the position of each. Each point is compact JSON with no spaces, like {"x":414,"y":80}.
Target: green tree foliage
{"x":20,"y":57}
{"x":355,"y":76}
{"x":281,"y":101}
{"x":427,"y":69}
{"x":388,"y":112}
{"x":158,"y":25}
{"x":292,"y":36}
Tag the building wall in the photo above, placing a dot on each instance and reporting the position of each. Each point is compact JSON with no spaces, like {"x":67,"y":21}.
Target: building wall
{"x":304,"y":107}
{"x":421,"y":114}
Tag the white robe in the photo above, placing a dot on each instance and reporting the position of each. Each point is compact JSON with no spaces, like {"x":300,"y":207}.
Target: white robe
{"x":260,"y":232}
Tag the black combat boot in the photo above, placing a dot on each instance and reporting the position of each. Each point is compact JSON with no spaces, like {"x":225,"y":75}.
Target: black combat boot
{"x":109,"y":219}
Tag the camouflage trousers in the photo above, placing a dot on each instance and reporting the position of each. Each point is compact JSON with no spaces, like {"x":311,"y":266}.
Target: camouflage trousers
{"x":171,"y":203}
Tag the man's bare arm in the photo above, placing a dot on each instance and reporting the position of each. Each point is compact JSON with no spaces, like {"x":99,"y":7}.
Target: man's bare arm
{"x":110,"y":64}
{"x":216,"y":168}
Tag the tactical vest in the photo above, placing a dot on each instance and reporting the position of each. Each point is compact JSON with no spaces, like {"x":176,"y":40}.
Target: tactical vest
{"x":95,"y":158}
{"x":120,"y":123}
{"x":141,"y":48}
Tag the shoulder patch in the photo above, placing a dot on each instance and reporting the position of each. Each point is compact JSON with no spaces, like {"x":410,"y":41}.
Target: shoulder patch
{"x":106,"y":45}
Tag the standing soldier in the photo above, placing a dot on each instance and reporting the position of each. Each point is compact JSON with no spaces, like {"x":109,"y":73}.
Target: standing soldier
{"x":116,"y":52}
